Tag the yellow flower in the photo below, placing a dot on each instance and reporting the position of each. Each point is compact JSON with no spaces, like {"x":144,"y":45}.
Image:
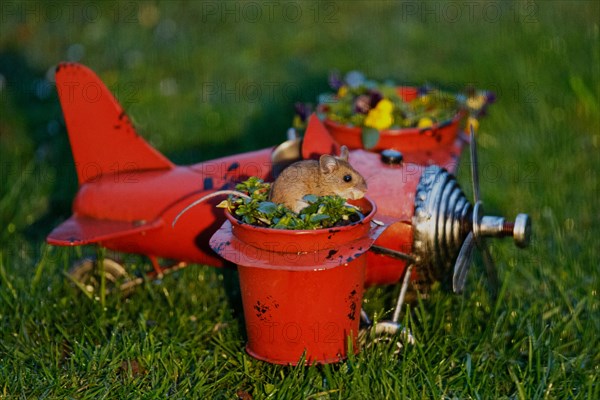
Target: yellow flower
{"x":474,"y":122}
{"x":385,"y":106}
{"x":342,"y":91}
{"x":297,"y":122}
{"x":378,"y":119}
{"x":425,"y":123}
{"x":476,"y":102}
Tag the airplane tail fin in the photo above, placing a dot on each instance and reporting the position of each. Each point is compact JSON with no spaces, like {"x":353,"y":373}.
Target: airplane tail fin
{"x":103,"y":139}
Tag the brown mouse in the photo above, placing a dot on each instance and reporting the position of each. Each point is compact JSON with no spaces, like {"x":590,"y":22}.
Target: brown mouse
{"x":329,"y":175}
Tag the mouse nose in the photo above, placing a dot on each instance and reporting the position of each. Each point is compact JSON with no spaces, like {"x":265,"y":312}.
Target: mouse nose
{"x":357,"y":194}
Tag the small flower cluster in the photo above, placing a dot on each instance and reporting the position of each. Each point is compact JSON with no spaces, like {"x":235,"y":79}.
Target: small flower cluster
{"x":364,"y":103}
{"x":476,"y":102}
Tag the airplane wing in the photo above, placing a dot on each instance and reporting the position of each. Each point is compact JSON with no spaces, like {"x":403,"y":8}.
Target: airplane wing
{"x":80,"y":230}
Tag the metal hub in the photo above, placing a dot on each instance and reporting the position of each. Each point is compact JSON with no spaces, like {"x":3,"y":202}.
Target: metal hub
{"x":444,"y":217}
{"x":440,"y":222}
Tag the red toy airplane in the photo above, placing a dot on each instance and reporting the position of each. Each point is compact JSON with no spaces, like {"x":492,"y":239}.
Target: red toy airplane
{"x":129,"y":193}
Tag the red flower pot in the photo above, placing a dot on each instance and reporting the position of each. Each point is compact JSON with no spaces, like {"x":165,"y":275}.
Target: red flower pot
{"x":404,"y":139}
{"x":301,"y":289}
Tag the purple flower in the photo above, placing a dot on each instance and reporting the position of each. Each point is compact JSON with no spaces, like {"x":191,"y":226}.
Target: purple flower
{"x":335,"y":80}
{"x":375,"y":97}
{"x":425,"y":89}
{"x":303,"y":110}
{"x":489,"y":97}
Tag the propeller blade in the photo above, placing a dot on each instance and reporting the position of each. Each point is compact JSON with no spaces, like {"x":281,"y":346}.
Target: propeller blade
{"x":490,"y":267}
{"x":474,"y":166}
{"x":463,"y":262}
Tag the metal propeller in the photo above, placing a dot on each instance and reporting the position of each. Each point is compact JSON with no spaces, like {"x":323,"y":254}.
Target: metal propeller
{"x":446,"y":229}
{"x":481,"y":227}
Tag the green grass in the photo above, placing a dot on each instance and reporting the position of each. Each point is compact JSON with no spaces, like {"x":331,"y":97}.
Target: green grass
{"x":539,"y":152}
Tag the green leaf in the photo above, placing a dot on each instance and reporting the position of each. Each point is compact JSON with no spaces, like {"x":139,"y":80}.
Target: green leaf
{"x":224,"y":204}
{"x":370,"y":137}
{"x":318,"y":217}
{"x":269,"y":388}
{"x":267,"y":207}
{"x":310,"y":198}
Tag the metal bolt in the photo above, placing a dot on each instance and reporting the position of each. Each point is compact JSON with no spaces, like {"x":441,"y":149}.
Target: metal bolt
{"x":520,"y":229}
{"x":391,"y":157}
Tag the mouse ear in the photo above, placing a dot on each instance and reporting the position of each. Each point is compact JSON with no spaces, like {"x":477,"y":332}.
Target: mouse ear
{"x":327,"y":163}
{"x":344,"y":153}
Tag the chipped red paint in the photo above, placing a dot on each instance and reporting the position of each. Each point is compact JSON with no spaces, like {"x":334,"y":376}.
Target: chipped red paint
{"x":280,"y":269}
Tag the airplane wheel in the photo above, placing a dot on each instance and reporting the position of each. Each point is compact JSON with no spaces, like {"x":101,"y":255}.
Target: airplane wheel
{"x":86,"y":274}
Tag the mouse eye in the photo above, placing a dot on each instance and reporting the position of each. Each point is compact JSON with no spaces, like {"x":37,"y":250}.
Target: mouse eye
{"x":347,"y":178}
